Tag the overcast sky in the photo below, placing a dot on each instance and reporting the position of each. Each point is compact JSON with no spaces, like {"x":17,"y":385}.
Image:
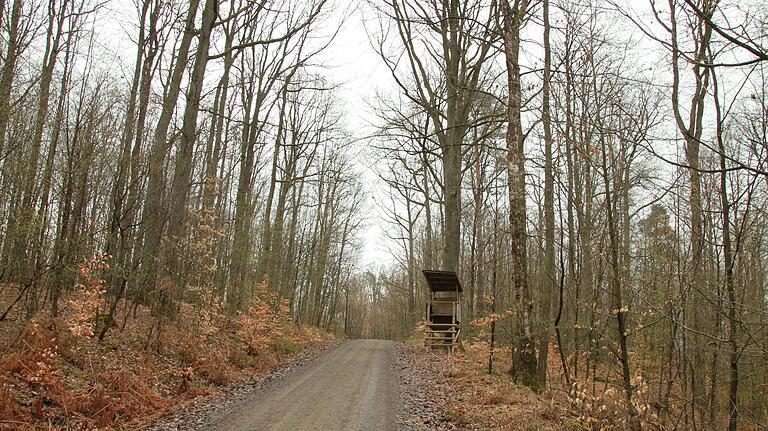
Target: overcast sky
{"x":360,"y":73}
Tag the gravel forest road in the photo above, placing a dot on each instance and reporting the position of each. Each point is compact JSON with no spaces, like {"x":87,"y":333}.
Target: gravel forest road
{"x":350,"y":388}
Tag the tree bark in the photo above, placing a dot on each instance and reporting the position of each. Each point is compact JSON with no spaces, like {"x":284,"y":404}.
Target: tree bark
{"x":8,"y":72}
{"x":524,"y":364}
{"x":550,"y":270}
{"x":155,"y":214}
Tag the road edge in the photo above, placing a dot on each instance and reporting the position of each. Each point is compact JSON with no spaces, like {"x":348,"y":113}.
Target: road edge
{"x":202,"y":412}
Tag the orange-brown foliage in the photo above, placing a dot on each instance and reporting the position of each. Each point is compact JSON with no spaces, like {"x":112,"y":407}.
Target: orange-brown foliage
{"x":493,"y":402}
{"x":56,"y":375}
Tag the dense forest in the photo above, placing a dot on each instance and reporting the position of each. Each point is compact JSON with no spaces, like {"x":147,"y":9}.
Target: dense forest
{"x":595,"y":171}
{"x":218,"y":160}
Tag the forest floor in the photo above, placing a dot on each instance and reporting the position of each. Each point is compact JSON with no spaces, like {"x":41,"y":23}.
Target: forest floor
{"x":456,"y":392}
{"x":55,"y":374}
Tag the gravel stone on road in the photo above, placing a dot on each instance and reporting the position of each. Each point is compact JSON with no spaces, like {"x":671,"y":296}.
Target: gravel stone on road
{"x":357,"y":385}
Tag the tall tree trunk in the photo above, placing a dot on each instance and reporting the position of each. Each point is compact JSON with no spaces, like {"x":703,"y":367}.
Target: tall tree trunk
{"x":117,"y":201}
{"x":155,"y":214}
{"x":56,"y":19}
{"x":267,"y":256}
{"x":728,"y":262}
{"x":181,"y":184}
{"x":8,"y":72}
{"x":213,"y":148}
{"x":452,"y":141}
{"x":524,"y":365}
{"x":692,"y":132}
{"x":44,"y":210}
{"x":617,"y":302}
{"x":131,"y":246}
{"x":241,"y":246}
{"x":549,"y":207}
{"x":124,"y":198}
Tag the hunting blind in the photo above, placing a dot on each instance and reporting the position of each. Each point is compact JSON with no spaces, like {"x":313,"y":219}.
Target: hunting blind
{"x":443,"y":313}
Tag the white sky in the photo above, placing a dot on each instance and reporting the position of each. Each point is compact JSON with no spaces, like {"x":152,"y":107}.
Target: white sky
{"x":359,"y":71}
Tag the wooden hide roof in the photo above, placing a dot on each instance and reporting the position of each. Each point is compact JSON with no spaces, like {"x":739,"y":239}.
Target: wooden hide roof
{"x":442,"y":281}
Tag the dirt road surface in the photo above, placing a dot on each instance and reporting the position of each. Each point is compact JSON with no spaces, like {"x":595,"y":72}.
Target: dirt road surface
{"x":350,"y":388}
